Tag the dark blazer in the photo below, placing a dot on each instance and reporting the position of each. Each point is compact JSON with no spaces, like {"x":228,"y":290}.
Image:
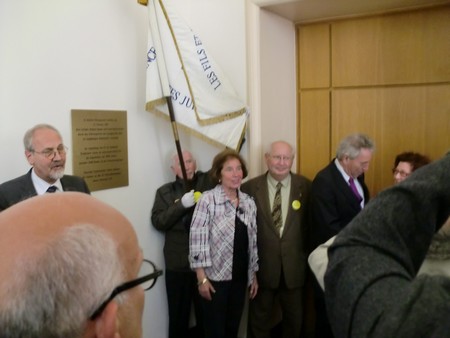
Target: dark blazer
{"x":21,"y":188}
{"x":288,"y":253}
{"x":169,"y":215}
{"x":333,"y":204}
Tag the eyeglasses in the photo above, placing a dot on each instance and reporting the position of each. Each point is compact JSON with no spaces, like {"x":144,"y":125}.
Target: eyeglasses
{"x":278,"y":158}
{"x":148,"y":275}
{"x":50,"y":153}
{"x":400,"y":172}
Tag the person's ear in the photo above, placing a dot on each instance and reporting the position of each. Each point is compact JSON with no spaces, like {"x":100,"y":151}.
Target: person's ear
{"x":174,"y":171}
{"x":29,"y":156}
{"x":106,"y":324}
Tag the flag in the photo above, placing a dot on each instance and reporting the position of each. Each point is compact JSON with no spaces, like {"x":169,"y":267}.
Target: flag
{"x":179,"y":65}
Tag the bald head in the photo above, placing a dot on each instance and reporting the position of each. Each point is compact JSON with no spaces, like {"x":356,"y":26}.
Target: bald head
{"x":69,"y":246}
{"x":279,"y":159}
{"x":190,"y":165}
{"x":29,"y":226}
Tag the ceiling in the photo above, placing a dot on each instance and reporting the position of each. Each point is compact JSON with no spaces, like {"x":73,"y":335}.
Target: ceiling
{"x":299,"y":11}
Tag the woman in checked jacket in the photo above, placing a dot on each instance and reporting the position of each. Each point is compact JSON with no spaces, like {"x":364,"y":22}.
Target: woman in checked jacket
{"x":222,"y":248}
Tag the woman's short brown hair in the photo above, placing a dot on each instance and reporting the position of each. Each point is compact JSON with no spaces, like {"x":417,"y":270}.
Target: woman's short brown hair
{"x":416,"y":160}
{"x":220,"y":159}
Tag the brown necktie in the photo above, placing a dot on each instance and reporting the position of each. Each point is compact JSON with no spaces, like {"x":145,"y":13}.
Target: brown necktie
{"x":276,"y":209}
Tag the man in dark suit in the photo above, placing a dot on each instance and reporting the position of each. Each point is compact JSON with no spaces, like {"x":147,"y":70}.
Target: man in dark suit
{"x":281,"y":243}
{"x":172,"y":214}
{"x":338,"y":194}
{"x":46,"y":153}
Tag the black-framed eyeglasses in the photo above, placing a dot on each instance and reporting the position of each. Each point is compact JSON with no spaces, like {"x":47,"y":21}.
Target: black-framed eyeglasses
{"x":148,"y":275}
{"x":50,"y":153}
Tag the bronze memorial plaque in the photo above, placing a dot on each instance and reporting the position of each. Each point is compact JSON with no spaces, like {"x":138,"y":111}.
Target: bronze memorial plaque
{"x":100,"y":148}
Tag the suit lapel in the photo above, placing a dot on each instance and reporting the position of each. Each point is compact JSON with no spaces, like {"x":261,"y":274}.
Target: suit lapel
{"x":262,"y":194}
{"x":344,"y":187}
{"x":365,"y":189}
{"x":65,"y":185}
{"x":28,"y":188}
{"x":294,"y":195}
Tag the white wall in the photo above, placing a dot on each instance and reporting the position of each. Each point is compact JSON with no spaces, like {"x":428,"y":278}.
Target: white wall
{"x":271,"y":60}
{"x":272,"y":83}
{"x":278,"y":79}
{"x":91,"y":54}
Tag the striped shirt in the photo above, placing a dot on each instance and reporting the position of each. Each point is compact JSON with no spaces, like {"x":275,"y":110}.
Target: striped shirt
{"x":212,"y":234}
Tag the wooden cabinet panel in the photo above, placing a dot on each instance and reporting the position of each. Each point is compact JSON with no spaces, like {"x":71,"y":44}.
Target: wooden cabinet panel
{"x":398,"y":119}
{"x":314,"y":51}
{"x":403,"y":48}
{"x":390,"y":79}
{"x":314,"y":145}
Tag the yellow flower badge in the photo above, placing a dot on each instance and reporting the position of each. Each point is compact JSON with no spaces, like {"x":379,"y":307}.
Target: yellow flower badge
{"x":197,"y":196}
{"x":296,"y":205}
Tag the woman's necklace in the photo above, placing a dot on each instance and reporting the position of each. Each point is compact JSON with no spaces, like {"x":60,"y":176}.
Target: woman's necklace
{"x":235,"y":200}
{"x":232,"y":192}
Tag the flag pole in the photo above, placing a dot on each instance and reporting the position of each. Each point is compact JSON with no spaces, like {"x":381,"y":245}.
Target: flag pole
{"x":162,"y":70}
{"x":177,"y":141}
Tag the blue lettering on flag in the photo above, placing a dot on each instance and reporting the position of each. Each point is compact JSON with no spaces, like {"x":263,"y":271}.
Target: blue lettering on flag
{"x":174,"y":93}
{"x":206,"y":66}
{"x":151,"y":55}
{"x":181,"y":99}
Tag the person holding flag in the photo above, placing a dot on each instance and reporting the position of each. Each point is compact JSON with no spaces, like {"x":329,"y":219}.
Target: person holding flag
{"x":172,"y":213}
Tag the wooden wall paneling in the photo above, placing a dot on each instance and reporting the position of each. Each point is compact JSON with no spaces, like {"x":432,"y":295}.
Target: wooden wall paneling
{"x":417,"y":118}
{"x":411,"y":47}
{"x":398,"y":119}
{"x":436,"y":106}
{"x":314,"y":55}
{"x":413,"y":118}
{"x":401,"y":128}
{"x":314,"y":147}
{"x":390,"y":78}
